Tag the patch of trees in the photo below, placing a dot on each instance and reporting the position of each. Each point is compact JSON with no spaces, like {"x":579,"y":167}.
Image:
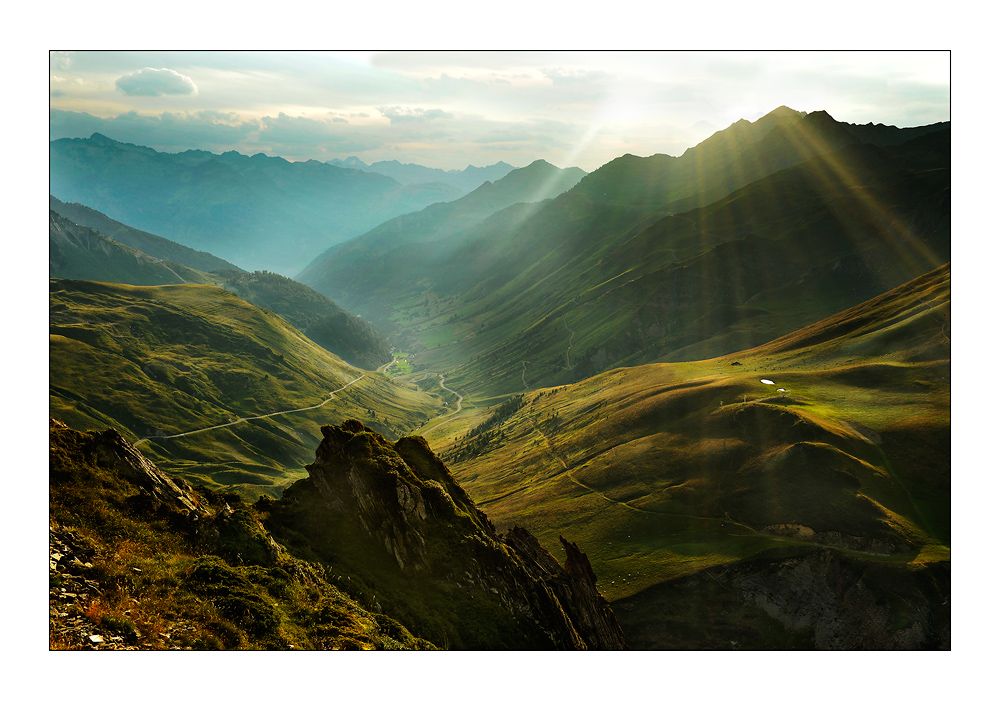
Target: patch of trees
{"x":503,"y":412}
{"x":479,"y":439}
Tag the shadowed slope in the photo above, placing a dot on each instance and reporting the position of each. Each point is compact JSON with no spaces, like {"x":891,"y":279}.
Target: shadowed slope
{"x":398,"y":250}
{"x":151,"y":244}
{"x":78,"y":252}
{"x":318,"y":317}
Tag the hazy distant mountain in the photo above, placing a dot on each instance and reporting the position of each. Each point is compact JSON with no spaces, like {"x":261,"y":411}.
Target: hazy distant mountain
{"x":259,"y":212}
{"x":80,"y":253}
{"x":465,"y":180}
{"x":336,"y":274}
{"x":151,"y":244}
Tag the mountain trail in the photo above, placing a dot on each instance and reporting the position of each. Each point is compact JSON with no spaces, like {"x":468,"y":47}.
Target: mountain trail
{"x":450,"y":417}
{"x":251,"y":418}
{"x":570,"y":346}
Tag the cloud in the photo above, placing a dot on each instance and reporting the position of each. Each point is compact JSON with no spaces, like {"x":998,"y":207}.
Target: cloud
{"x":402,"y":115}
{"x":153,"y":82}
{"x":565,"y":76}
{"x":284,"y":129}
{"x":169,"y":131}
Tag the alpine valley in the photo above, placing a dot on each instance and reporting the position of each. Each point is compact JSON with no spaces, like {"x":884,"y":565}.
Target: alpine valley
{"x":678,"y":403}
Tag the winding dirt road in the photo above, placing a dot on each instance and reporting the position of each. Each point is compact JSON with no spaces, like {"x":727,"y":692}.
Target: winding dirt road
{"x":251,"y":418}
{"x":450,"y":417}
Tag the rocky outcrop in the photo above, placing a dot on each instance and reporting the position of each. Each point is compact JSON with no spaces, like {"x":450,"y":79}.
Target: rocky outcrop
{"x":114,"y":452}
{"x":574,"y":586}
{"x":407,"y":505}
{"x":823,"y":599}
{"x":110,"y":451}
{"x":846,"y":605}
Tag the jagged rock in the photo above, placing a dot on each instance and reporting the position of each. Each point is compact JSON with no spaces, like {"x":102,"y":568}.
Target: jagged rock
{"x":577,"y":563}
{"x":404,"y":502}
{"x":115,"y":452}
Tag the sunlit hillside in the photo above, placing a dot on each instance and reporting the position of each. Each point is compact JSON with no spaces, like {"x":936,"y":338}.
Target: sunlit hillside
{"x":213,"y":388}
{"x":837,"y":435}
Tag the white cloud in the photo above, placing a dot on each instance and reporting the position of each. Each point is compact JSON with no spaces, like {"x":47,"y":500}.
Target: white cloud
{"x":288,"y":130}
{"x":153,"y":82}
{"x":400,"y":115}
{"x":574,"y":76}
{"x":168,"y":131}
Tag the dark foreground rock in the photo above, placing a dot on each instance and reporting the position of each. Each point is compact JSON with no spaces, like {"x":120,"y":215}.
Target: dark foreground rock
{"x":413,"y":529}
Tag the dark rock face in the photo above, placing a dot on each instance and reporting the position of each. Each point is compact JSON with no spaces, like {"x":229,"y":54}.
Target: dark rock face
{"x":406,"y":502}
{"x":111,"y":451}
{"x":114,"y":452}
{"x":820,"y":600}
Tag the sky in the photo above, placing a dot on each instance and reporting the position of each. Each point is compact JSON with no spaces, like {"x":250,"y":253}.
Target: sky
{"x":451,"y":109}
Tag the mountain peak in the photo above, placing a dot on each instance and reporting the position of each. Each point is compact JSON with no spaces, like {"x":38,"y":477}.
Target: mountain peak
{"x":540,"y":163}
{"x":784,"y":111}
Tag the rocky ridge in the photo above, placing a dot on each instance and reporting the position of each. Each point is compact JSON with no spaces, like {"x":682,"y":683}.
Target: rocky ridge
{"x":402,"y":500}
{"x":379,"y":548}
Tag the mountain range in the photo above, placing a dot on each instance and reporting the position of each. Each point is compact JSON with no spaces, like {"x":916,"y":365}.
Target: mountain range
{"x":260,"y":212}
{"x":809,"y":216}
{"x":466,"y":180}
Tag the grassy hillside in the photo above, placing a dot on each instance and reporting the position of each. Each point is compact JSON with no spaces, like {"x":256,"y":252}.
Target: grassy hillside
{"x":154,"y":362}
{"x":318,"y":317}
{"x":80,"y":253}
{"x":153,"y":245}
{"x":667,"y":470}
